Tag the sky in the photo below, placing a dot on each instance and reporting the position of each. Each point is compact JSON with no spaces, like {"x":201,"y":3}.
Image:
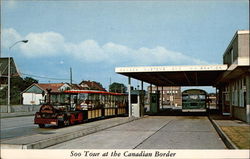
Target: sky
{"x":94,"y":37}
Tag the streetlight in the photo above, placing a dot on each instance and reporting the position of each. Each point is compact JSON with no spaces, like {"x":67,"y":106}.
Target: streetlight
{"x":24,"y":41}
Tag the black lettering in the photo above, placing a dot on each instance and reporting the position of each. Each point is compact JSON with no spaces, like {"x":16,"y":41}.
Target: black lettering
{"x":75,"y":154}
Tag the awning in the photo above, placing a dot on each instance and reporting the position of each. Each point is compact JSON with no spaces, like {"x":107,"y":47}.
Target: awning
{"x":196,"y":75}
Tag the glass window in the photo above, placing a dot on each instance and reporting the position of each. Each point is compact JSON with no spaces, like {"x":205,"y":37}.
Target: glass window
{"x":185,"y":97}
{"x":193,"y":96}
{"x":202,"y":96}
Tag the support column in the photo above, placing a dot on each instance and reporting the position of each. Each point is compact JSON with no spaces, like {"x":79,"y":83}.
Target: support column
{"x":248,"y":98}
{"x":142,"y":100}
{"x":129,"y":97}
{"x":150,"y":91}
{"x":149,"y":97}
{"x":161,"y":97}
{"x":142,"y":85}
{"x":158,"y":102}
{"x":216,"y":101}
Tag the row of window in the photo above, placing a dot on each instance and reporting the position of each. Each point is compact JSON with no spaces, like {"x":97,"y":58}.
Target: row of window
{"x":168,"y":92}
{"x":238,"y":93}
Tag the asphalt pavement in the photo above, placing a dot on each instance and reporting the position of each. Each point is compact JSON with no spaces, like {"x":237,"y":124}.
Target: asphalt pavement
{"x":152,"y":132}
{"x":234,"y":133}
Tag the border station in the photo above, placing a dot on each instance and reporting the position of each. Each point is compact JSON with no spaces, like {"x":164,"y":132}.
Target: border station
{"x":231,"y":80}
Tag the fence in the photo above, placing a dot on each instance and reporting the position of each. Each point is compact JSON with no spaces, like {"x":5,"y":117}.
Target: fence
{"x":19,"y":108}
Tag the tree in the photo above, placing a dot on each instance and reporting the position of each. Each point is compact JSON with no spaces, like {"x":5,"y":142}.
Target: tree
{"x":18,"y":85}
{"x":29,"y":81}
{"x":117,"y":87}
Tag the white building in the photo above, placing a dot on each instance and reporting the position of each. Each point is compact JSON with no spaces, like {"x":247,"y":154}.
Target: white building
{"x":35,"y":94}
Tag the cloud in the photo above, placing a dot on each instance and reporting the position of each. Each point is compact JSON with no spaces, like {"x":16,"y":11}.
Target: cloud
{"x":11,"y":3}
{"x":43,"y":44}
{"x":9,"y":37}
{"x":88,"y":51}
{"x":48,"y":44}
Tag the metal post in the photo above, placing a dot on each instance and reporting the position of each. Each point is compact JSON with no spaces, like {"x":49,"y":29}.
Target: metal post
{"x":142,"y":100}
{"x":158,"y":98}
{"x":8,"y":107}
{"x":216,"y":98}
{"x":142,"y":85}
{"x":171,"y":101}
{"x":70,"y":75}
{"x":161,"y":97}
{"x":129,"y":97}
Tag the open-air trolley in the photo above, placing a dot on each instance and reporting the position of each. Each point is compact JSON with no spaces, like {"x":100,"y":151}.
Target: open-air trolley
{"x":79,"y":106}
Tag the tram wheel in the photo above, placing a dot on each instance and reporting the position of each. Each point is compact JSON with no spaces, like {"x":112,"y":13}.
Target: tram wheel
{"x":66,"y":122}
{"x":61,"y":124}
{"x":41,"y":125}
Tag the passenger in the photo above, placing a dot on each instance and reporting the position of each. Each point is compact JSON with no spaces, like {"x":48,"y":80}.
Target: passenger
{"x":78,"y":107}
{"x":84,"y":105}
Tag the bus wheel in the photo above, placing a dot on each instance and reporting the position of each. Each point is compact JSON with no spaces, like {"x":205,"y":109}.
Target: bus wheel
{"x":41,"y":125}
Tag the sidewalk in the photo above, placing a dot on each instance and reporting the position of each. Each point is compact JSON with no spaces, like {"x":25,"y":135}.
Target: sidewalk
{"x":235,"y":133}
{"x":16,"y":114}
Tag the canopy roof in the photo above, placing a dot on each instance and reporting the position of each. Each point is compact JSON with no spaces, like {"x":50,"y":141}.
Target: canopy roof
{"x":194,"y":75}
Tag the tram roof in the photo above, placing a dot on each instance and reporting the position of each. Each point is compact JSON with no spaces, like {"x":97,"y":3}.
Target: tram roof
{"x":192,"y":75}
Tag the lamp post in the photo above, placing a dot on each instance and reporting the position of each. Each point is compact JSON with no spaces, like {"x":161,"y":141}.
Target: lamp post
{"x":24,"y":41}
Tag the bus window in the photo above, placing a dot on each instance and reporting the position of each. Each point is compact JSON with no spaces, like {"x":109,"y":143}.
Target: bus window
{"x":193,"y":96}
{"x":202,"y":96}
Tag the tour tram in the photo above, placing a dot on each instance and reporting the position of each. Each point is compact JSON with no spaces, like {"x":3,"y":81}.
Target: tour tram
{"x":194,"y":100}
{"x":78,"y":106}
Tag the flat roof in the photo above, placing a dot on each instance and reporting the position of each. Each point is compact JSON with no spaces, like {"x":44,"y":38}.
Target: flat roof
{"x":191,"y":75}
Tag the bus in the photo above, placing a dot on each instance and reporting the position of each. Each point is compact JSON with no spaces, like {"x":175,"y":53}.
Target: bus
{"x":194,"y":100}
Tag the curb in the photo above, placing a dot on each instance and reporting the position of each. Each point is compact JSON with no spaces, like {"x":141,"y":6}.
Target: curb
{"x":18,"y":114}
{"x":21,"y":115}
{"x":224,"y":137}
{"x":65,"y":137}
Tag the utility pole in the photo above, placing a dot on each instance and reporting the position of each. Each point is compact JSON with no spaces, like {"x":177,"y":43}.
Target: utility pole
{"x":109,"y":83}
{"x":70,"y":75}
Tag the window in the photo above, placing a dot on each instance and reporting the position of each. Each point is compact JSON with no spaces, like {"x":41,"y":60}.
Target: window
{"x":202,"y":96}
{"x":193,"y":97}
{"x":134,"y":98}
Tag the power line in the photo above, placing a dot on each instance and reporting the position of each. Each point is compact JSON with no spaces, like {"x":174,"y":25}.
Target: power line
{"x":50,"y":78}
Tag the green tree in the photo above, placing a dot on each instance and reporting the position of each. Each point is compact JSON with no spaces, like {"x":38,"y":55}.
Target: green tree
{"x":29,"y":81}
{"x":117,"y":87}
{"x":17,"y":86}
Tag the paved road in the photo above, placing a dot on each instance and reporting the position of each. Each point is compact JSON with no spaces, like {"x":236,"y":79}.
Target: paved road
{"x":163,"y":132}
{"x":19,"y":126}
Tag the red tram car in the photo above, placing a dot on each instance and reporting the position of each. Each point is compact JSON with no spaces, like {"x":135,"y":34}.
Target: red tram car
{"x":78,"y":106}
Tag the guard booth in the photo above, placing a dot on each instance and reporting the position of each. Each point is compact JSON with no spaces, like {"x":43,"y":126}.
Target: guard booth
{"x":154,"y":102}
{"x":137,"y":103}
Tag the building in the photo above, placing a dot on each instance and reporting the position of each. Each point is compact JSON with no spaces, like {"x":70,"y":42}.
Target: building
{"x":212,"y":101}
{"x":231,"y":79}
{"x":4,"y":71}
{"x":170,"y":96}
{"x":36,"y":93}
{"x":234,"y":84}
{"x":92,"y":85}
